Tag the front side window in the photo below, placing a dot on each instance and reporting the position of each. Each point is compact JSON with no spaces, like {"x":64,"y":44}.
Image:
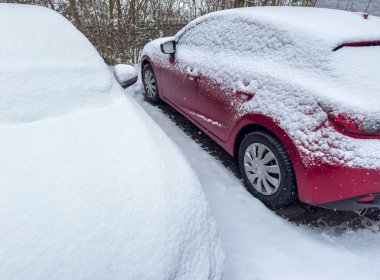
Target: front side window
{"x":231,"y":34}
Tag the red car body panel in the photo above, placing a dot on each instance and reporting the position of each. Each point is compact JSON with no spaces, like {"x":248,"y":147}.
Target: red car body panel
{"x":186,"y":86}
{"x":208,"y":106}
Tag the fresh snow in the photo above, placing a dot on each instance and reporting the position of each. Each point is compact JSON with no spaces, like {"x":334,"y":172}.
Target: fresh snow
{"x":91,"y":188}
{"x":124,"y":73}
{"x":47,"y":67}
{"x":284,"y":55}
{"x":258,"y":244}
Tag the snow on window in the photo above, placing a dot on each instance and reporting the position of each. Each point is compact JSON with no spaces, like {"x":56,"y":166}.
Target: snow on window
{"x":47,"y":66}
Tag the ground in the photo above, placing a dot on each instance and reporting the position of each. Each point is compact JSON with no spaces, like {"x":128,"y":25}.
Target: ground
{"x":302,"y":242}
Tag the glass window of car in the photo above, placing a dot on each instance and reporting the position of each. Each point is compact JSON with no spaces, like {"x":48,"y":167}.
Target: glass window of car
{"x":233,"y":34}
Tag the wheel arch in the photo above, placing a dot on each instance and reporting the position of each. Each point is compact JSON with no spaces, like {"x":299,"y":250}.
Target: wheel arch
{"x":248,"y":129}
{"x":258,"y":122}
{"x":144,"y":61}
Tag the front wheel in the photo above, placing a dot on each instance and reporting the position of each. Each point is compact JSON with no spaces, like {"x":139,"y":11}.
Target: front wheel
{"x":267,"y":170}
{"x":150,"y":84}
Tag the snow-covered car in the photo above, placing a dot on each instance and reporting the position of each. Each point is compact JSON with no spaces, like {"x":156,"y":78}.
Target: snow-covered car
{"x":293,"y":93}
{"x":90,"y":187}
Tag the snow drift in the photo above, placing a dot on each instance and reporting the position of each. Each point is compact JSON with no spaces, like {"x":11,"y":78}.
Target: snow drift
{"x":91,"y":188}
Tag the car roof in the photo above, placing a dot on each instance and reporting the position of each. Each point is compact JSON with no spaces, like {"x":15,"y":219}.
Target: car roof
{"x":333,"y":27}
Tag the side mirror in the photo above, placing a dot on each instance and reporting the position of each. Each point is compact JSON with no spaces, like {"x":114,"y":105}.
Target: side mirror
{"x":125,"y":74}
{"x":168,"y":47}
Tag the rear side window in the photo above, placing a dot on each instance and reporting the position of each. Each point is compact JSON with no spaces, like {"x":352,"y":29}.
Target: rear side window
{"x":250,"y":41}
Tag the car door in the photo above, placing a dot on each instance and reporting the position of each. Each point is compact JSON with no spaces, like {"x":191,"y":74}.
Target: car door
{"x":178,"y":83}
{"x":217,"y":107}
{"x":219,"y":102}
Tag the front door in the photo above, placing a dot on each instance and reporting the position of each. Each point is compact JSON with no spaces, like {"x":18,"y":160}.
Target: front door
{"x":217,"y":108}
{"x":179,"y":87}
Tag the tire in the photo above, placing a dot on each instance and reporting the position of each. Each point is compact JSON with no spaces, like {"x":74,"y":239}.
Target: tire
{"x":150,"y":84}
{"x":267,"y":170}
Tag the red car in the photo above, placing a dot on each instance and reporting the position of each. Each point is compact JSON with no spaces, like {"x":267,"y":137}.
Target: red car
{"x":292,"y":93}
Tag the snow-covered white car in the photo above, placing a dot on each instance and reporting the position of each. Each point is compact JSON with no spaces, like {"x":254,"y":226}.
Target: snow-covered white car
{"x":292,"y":93}
{"x":90,"y":187}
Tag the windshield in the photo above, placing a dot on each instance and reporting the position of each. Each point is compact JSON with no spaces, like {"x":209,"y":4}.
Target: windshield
{"x":47,"y":66}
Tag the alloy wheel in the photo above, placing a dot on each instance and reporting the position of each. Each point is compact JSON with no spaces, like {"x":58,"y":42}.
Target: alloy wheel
{"x":150,"y":84}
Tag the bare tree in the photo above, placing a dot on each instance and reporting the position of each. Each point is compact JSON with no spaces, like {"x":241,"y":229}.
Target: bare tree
{"x":120,"y":29}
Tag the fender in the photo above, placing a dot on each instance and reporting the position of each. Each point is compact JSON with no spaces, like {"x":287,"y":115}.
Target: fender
{"x":145,"y":59}
{"x":274,"y":128}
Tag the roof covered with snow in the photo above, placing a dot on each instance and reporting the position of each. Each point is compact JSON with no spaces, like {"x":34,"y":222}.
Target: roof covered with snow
{"x":332,"y":26}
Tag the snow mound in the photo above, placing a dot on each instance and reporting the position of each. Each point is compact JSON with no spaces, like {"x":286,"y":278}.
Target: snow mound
{"x":47,"y":66}
{"x":91,"y":188}
{"x":124,"y":72}
{"x":102,"y":194}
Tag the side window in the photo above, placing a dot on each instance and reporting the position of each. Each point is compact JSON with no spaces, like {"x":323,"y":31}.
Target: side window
{"x":233,"y":35}
{"x":199,"y":35}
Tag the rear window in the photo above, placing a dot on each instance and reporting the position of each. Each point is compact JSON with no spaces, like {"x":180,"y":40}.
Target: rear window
{"x":356,"y":67}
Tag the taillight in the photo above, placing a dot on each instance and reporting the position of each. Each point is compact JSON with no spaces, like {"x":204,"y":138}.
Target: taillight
{"x":355,"y":125}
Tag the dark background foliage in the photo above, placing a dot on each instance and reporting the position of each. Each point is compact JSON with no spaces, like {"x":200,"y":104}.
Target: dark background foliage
{"x":120,"y":28}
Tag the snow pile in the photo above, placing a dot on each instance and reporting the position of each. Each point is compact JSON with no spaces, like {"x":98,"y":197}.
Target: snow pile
{"x":124,"y":73}
{"x":98,"y":192}
{"x":285,"y":56}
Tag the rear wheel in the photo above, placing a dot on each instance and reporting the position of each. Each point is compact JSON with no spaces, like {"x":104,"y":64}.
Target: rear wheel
{"x":267,"y":170}
{"x":150,"y":84}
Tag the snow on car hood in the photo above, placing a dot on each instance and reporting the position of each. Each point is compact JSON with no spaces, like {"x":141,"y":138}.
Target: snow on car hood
{"x":47,"y":66}
{"x":102,"y":194}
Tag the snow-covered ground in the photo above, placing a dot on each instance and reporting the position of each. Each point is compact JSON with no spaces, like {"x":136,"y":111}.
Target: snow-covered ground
{"x":261,"y":245}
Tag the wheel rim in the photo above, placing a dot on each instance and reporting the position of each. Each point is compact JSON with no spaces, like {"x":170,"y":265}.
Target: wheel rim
{"x":262,"y":169}
{"x":150,"y":84}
